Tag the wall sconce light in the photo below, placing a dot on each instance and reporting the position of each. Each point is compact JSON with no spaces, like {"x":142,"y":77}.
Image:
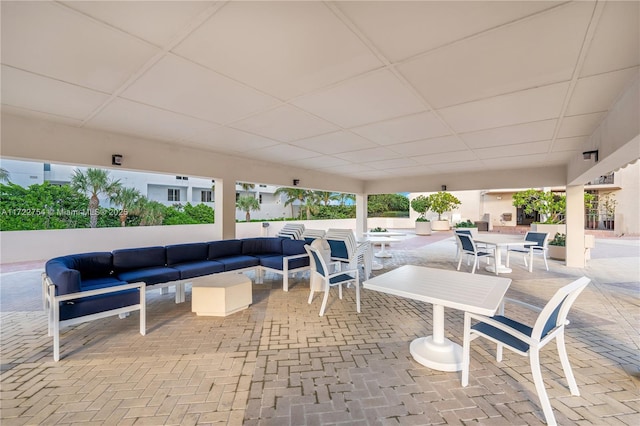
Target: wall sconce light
{"x":586,"y":156}
{"x":296,"y":182}
{"x":116,"y":160}
{"x":444,"y":187}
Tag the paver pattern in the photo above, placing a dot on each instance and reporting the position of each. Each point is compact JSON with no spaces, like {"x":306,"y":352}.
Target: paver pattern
{"x":279,"y":363}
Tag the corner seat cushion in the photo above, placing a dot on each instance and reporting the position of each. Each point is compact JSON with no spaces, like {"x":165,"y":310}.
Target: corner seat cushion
{"x":293,"y":247}
{"x":150,"y":276}
{"x":197,"y":269}
{"x":95,"y":304}
{"x":98,"y":283}
{"x":262,"y":246}
{"x":68,"y":272}
{"x":139,"y":258}
{"x":184,"y":253}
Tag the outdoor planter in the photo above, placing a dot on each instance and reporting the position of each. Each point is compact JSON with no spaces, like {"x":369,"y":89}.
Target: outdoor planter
{"x":423,"y":228}
{"x":557,"y":252}
{"x":440,"y":225}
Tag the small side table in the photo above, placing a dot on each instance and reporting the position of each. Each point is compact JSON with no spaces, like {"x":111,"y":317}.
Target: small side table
{"x":220,"y":295}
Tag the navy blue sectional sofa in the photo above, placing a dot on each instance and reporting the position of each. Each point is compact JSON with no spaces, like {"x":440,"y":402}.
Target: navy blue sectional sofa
{"x":87,"y":286}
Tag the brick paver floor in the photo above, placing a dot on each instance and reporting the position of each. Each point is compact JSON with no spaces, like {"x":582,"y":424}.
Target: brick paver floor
{"x":279,"y":363}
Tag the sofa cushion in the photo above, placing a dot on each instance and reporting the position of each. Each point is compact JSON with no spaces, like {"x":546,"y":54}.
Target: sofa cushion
{"x":276,"y":262}
{"x":150,"y":276}
{"x":183,"y":253}
{"x":138,"y":258}
{"x":224,"y":248}
{"x":68,"y":272}
{"x":261,"y":246}
{"x":293,"y":247}
{"x":197,"y":269}
{"x":232,"y":263}
{"x":98,"y":283}
{"x":95,"y":304}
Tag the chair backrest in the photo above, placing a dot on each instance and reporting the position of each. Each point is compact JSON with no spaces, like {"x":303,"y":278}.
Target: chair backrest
{"x":316,"y":261}
{"x":554,"y":314}
{"x":311,"y":234}
{"x":463,"y":231}
{"x":466,"y":242}
{"x":292,"y":230}
{"x":538,"y":237}
{"x":342,"y":242}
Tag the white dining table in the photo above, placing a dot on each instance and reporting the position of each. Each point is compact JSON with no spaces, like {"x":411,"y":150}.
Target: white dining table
{"x":480,"y":294}
{"x":499,"y":241}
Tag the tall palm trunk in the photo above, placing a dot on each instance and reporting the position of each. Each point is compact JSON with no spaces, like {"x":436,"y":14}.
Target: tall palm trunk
{"x":93,"y":211}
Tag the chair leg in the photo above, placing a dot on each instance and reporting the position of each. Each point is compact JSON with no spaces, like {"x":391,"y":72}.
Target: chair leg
{"x":357,"y":293}
{"x":566,"y":367}
{"x":544,"y":256}
{"x":475,"y":264}
{"x":56,"y":331}
{"x":534,"y":358}
{"x":506,"y":263}
{"x":459,"y":262}
{"x":340,"y":291}
{"x":324,"y":299}
{"x":531,"y":260}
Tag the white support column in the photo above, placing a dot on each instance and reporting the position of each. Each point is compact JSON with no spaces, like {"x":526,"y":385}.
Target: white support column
{"x":575,"y":226}
{"x":361,"y":215}
{"x":225,"y":208}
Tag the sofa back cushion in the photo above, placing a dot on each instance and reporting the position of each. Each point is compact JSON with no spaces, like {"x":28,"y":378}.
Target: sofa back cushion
{"x":262,"y":245}
{"x":223,"y":248}
{"x":183,"y":253}
{"x":292,"y":247}
{"x":138,"y":258}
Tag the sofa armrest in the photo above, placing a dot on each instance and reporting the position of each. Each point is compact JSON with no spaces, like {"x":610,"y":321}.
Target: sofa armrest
{"x":71,"y":296}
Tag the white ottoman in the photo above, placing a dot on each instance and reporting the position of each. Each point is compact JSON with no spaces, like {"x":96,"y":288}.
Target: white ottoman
{"x":220,"y":294}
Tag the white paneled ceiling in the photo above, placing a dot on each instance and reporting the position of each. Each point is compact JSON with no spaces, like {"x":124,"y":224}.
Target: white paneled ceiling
{"x":370,"y":90}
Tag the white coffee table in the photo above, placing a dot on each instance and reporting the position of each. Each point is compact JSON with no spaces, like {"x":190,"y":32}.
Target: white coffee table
{"x":220,"y":294}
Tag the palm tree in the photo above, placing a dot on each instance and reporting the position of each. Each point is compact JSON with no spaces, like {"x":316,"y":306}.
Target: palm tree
{"x":247,"y":203}
{"x":126,"y":198}
{"x":311,"y":204}
{"x":326,"y":197}
{"x":94,"y":182}
{"x":246,"y":186}
{"x":4,"y":175}
{"x":344,"y":197}
{"x":150,"y":212}
{"x":293,"y":195}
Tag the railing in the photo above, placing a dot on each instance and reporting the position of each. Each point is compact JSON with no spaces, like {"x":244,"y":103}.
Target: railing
{"x":603,"y":180}
{"x":598,"y":221}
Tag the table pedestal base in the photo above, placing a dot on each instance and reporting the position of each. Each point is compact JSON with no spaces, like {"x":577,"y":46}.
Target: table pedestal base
{"x":446,"y":356}
{"x":501,"y":269}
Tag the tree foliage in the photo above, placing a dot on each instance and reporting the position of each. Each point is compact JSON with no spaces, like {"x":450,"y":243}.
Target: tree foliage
{"x":248,"y":203}
{"x":42,"y":206}
{"x":379,"y":204}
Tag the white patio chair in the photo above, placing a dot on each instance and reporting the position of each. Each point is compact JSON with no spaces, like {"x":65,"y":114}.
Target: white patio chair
{"x":525,"y":340}
{"x":539,"y":246}
{"x":320,"y":270}
{"x":468,"y":247}
{"x":347,"y":250}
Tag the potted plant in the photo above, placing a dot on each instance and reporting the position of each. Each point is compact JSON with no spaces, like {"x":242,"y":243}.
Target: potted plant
{"x":421,"y":205}
{"x":442,"y":202}
{"x":557,"y":247}
{"x":467,"y":224}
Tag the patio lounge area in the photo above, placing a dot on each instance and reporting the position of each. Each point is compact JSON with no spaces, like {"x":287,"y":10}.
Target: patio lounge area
{"x":279,"y":363}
